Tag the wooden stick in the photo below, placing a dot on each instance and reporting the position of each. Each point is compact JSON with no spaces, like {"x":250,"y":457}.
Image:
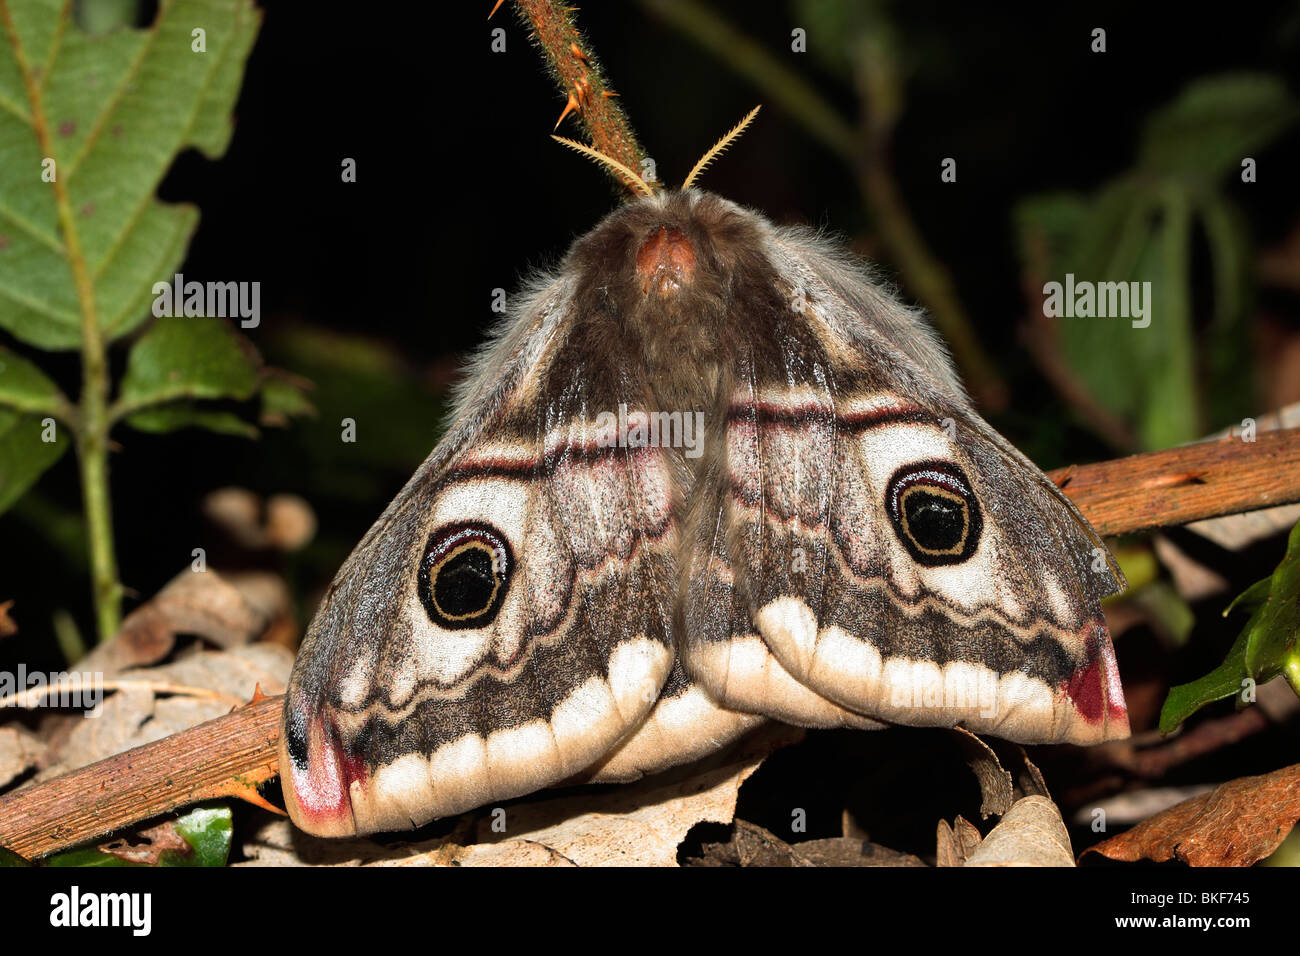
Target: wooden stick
{"x":1186,"y":484}
{"x":229,"y":756}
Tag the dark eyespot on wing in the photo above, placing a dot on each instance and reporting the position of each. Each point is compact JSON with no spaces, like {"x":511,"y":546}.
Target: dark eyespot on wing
{"x":934,"y":512}
{"x":465,"y":574}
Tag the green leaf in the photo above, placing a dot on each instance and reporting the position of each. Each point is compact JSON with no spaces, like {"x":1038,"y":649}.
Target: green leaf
{"x":10,"y":858}
{"x":1277,"y":620}
{"x":24,"y":454}
{"x":1265,"y":648}
{"x":169,"y":418}
{"x":189,"y":358}
{"x":112,"y":111}
{"x":1139,"y":228}
{"x":206,"y":831}
{"x":100,"y":16}
{"x":1112,"y":237}
{"x":24,"y":386}
{"x":1215,"y":123}
{"x":1165,"y":350}
{"x":1251,"y":598}
{"x":1226,"y":680}
{"x":1046,"y":226}
{"x":283,"y":400}
{"x":1227,"y":345}
{"x":1145,"y":375}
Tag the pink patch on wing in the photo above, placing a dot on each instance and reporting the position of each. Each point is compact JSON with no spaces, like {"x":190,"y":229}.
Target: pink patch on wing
{"x":1095,"y":687}
{"x":323,"y":787}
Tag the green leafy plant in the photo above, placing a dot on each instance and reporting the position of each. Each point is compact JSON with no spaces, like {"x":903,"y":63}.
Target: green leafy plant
{"x":89,"y":124}
{"x":199,"y":837}
{"x":1139,"y":227}
{"x":1266,"y":647}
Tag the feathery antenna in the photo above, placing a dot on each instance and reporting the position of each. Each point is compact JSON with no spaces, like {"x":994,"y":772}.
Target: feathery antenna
{"x":632,"y":179}
{"x":718,"y":147}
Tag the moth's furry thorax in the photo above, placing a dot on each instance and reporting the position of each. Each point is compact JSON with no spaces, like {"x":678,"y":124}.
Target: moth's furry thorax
{"x":673,"y":271}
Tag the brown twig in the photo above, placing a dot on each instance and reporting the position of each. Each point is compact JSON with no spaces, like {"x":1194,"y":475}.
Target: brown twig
{"x":1154,"y":762}
{"x":229,"y":756}
{"x":239,"y":750}
{"x":579,"y":76}
{"x":1188,"y":483}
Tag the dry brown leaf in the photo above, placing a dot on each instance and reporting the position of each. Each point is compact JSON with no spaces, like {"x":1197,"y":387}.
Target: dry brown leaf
{"x":1126,"y":809}
{"x":750,"y":845}
{"x":1031,"y":833}
{"x":1278,"y":700}
{"x":136,"y":715}
{"x":1193,"y":580}
{"x":152,"y":844}
{"x":202,"y":603}
{"x":1236,"y":824}
{"x":847,"y":851}
{"x":112,"y":730}
{"x":1029,"y":779}
{"x":640,"y":824}
{"x":636,"y":824}
{"x":20,"y":751}
{"x":235,"y":673}
{"x":278,"y":843}
{"x":997,"y":789}
{"x":954,"y":844}
{"x":850,"y":827}
{"x":1235,"y":532}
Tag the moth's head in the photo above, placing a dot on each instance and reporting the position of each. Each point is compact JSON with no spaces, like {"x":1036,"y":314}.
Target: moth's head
{"x":666,"y":238}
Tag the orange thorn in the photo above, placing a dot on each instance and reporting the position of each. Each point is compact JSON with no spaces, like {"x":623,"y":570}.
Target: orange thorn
{"x":608,"y":93}
{"x":569,"y":107}
{"x":577,"y":51}
{"x":496,"y":8}
{"x":257,"y":694}
{"x":243,"y":790}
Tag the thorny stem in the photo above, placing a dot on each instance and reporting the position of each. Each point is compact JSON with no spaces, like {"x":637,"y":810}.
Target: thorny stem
{"x":92,"y":420}
{"x":578,"y":74}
